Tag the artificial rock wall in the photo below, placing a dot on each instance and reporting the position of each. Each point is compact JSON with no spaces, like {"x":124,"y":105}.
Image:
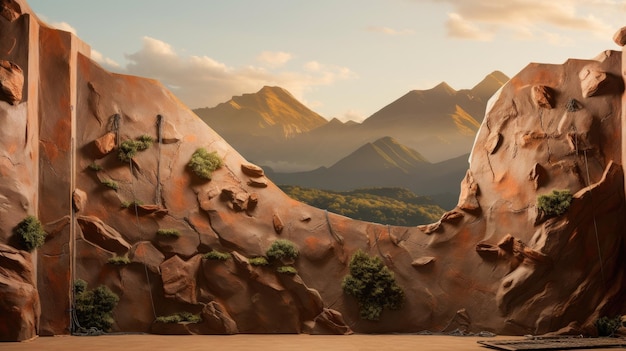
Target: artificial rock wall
{"x":493,"y":263}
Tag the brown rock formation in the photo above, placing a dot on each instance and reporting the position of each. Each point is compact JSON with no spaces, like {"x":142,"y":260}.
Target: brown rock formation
{"x":491,"y":264}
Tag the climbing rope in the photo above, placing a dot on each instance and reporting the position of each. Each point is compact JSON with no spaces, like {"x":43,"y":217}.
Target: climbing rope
{"x":595,"y":224}
{"x":135,"y":206}
{"x":160,"y":140}
{"x":116,"y":128}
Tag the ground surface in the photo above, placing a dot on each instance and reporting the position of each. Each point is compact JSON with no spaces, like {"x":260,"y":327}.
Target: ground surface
{"x":254,"y":342}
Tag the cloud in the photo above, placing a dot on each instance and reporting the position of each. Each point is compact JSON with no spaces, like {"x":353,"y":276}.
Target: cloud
{"x":201,"y":81}
{"x":535,"y":19}
{"x":274,"y":59}
{"x":390,"y":31}
{"x":104,"y":61}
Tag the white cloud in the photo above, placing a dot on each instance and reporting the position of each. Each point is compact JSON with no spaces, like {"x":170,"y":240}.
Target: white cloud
{"x":104,"y":61}
{"x":530,"y":19}
{"x":390,"y":31}
{"x":64,"y":26}
{"x":201,"y":81}
{"x":274,"y":59}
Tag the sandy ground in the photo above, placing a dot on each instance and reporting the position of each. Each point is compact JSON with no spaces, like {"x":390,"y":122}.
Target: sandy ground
{"x":254,"y":342}
{"x":251,"y":342}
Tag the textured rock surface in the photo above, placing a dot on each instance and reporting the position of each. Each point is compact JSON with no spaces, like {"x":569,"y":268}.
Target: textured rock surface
{"x":493,"y":263}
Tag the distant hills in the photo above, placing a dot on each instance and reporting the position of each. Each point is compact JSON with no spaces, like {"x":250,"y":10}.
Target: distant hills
{"x":419,"y":141}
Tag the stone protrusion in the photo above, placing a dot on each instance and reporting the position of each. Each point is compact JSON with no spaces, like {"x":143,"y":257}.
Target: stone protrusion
{"x":620,"y":37}
{"x":216,"y":318}
{"x":102,"y":235}
{"x":468,"y":199}
{"x":423,"y":261}
{"x":145,"y":253}
{"x":592,"y":81}
{"x":79,"y":200}
{"x":10,"y":9}
{"x":278,"y":224}
{"x":543,"y":96}
{"x":252,"y":170}
{"x":239,"y":199}
{"x":537,"y":175}
{"x":105,"y":144}
{"x":11,"y":82}
{"x":493,"y":142}
{"x":179,"y":278}
{"x":258,"y":182}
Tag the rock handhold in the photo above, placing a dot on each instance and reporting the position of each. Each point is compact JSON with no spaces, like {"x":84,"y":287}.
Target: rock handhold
{"x":216,"y":319}
{"x":179,"y":278}
{"x":145,"y":253}
{"x":102,"y":235}
{"x":468,"y":199}
{"x":11,"y":82}
{"x":620,"y":37}
{"x":79,"y":200}
{"x":537,"y":175}
{"x":169,"y":133}
{"x":10,"y":9}
{"x":542,"y":96}
{"x":239,"y":199}
{"x":252,"y":170}
{"x":592,"y":81}
{"x":488,"y":251}
{"x":105,"y":144}
{"x":278,"y":224}
{"x":493,"y":143}
{"x":258,"y":182}
{"x":423,"y":261}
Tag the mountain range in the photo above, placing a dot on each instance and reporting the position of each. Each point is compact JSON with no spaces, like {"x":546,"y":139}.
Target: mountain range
{"x":420,"y":141}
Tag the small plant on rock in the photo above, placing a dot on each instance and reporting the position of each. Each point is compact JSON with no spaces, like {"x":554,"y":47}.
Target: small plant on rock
{"x":608,"y":326}
{"x":129,"y":148}
{"x":94,"y":307}
{"x":282,"y":249}
{"x":373,"y":285}
{"x":95,"y":167}
{"x":110,"y":184}
{"x":287,"y":270}
{"x":129,"y":204}
{"x":258,"y":261}
{"x":554,"y":204}
{"x":30,"y":232}
{"x":181,"y":317}
{"x":119,"y":260}
{"x":204,"y":163}
{"x":169,"y":233}
{"x":216,"y":255}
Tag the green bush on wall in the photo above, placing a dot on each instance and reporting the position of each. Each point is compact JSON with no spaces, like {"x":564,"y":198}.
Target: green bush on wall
{"x":30,"y":233}
{"x":171,"y":233}
{"x":373,"y":285}
{"x":204,"y":163}
{"x":216,"y":255}
{"x":608,"y":326}
{"x":282,"y":248}
{"x":555,"y":203}
{"x":181,"y":317}
{"x":129,"y":148}
{"x":94,"y":308}
{"x":258,"y":261}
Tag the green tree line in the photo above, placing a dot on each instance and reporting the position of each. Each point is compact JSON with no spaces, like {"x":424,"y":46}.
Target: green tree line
{"x":393,"y":206}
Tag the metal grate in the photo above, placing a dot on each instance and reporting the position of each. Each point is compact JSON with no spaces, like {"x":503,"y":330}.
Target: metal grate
{"x":567,"y":343}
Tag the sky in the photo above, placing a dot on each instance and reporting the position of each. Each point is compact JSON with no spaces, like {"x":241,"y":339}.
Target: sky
{"x":343,"y":59}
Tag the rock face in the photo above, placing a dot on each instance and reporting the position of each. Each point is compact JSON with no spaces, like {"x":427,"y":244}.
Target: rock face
{"x":495,"y":263}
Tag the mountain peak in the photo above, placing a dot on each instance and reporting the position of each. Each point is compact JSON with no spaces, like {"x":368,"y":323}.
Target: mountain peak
{"x":445,"y":88}
{"x":489,"y":84}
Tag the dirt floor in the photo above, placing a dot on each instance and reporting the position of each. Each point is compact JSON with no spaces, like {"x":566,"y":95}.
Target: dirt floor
{"x":253,"y":342}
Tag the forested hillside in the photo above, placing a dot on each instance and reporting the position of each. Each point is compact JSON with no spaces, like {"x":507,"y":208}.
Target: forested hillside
{"x":394,"y":206}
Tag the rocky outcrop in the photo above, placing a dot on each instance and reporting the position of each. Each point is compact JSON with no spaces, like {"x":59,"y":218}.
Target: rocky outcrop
{"x":196,"y":246}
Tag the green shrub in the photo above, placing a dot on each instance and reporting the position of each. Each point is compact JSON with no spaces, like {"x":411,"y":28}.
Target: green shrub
{"x":282,"y":248}
{"x":608,"y":326}
{"x":94,"y":307}
{"x":216,"y":255}
{"x":119,"y":260}
{"x":172,"y":233}
{"x":95,"y":167}
{"x":110,"y":183}
{"x":258,"y":261}
{"x":203,"y":163}
{"x":30,"y":233}
{"x":556,"y":203}
{"x":181,"y":317}
{"x":129,"y":148}
{"x":373,"y":285}
{"x":286,"y":270}
{"x":128,"y":204}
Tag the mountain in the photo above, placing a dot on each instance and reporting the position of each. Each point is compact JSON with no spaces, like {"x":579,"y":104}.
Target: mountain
{"x":273,"y":129}
{"x":384,"y":163}
{"x":270,"y":112}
